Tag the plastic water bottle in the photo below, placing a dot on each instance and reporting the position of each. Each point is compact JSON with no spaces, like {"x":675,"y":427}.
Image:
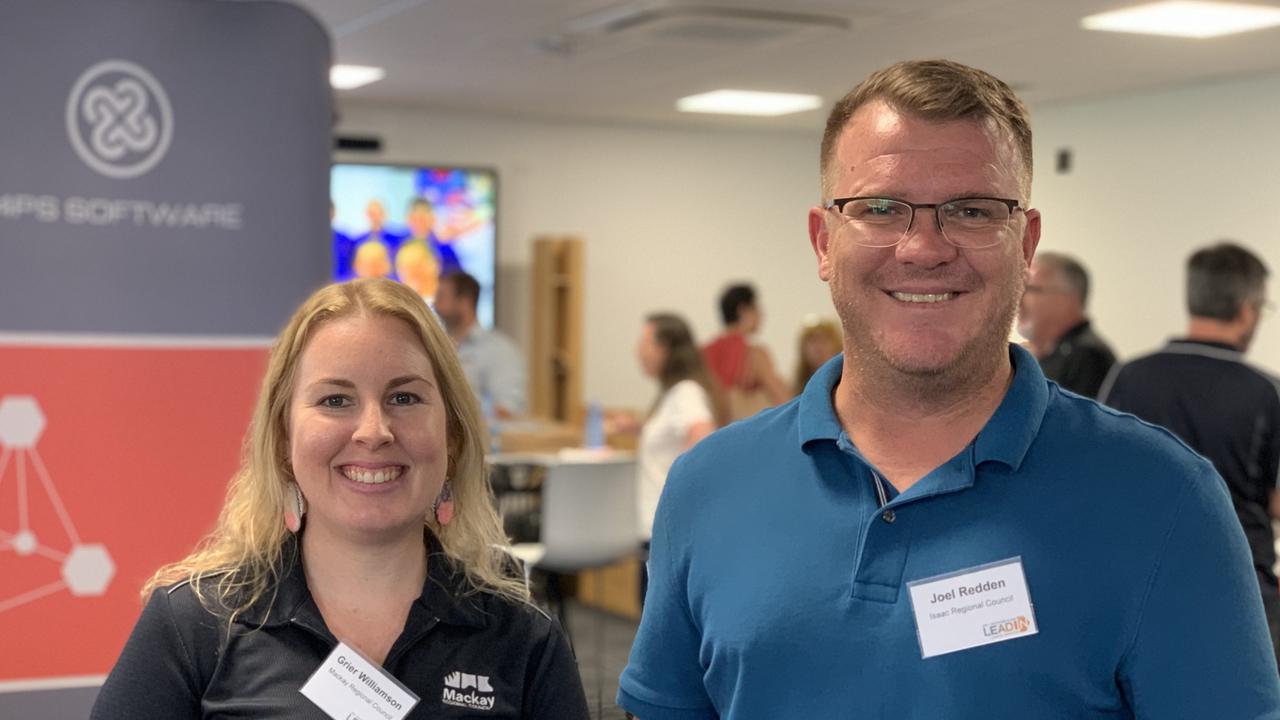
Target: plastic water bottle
{"x":595,"y":426}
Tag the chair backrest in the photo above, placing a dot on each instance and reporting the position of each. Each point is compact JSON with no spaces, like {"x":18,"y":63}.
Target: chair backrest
{"x":588,"y":514}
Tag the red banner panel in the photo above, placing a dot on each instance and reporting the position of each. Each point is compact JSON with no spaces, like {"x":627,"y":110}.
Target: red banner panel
{"x":113,"y":461}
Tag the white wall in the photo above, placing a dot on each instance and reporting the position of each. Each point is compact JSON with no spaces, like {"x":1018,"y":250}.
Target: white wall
{"x":1156,"y":176}
{"x":671,"y":216}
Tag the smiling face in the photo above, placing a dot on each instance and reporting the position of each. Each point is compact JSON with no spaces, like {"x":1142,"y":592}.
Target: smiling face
{"x":367,"y":429}
{"x":923,"y":307}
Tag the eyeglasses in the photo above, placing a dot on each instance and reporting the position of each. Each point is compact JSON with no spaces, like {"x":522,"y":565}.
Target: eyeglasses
{"x":965,"y":222}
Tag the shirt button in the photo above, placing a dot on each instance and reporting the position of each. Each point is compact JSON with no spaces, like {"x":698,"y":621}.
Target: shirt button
{"x":889,"y":516}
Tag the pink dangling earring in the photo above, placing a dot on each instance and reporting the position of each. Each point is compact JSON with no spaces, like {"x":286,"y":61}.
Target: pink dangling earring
{"x":295,"y":508}
{"x":443,"y":506}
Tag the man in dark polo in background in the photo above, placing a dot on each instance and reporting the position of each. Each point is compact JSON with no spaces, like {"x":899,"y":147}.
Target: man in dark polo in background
{"x":1052,"y":318}
{"x":1201,"y":389}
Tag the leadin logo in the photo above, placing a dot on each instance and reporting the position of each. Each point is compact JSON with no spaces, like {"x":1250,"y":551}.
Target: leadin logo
{"x":119,"y":119}
{"x":1011,"y":626}
{"x":465,"y":690}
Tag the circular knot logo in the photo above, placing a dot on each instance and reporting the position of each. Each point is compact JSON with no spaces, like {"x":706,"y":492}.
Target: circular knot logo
{"x":119,"y":119}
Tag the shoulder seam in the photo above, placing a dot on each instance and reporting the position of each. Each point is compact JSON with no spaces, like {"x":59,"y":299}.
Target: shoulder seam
{"x":1155,"y":571}
{"x":182,"y":643}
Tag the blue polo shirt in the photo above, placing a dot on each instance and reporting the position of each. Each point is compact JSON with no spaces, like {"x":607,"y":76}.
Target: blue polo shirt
{"x":778,"y":575}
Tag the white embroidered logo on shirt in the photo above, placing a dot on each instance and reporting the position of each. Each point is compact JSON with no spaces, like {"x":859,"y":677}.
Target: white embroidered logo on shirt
{"x":456,"y":685}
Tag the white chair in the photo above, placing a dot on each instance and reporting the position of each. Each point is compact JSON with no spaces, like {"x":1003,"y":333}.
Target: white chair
{"x":588,"y":516}
{"x":588,"y":520}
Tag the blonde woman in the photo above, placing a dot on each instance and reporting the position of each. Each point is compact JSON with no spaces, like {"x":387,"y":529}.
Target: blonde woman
{"x":820,"y":340}
{"x":362,"y":515}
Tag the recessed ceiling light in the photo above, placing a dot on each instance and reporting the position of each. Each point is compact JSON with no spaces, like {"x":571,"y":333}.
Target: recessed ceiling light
{"x":747,"y":102}
{"x":345,"y":77}
{"x":1181,"y":18}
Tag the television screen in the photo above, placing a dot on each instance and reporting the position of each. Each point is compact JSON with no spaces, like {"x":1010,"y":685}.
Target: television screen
{"x":414,"y":224}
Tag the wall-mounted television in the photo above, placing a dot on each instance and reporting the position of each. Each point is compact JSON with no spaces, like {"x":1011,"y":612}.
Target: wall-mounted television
{"x":415,"y":223}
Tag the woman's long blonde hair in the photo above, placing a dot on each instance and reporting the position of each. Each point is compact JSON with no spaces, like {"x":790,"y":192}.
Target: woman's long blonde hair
{"x":238,"y":563}
{"x":827,"y":330}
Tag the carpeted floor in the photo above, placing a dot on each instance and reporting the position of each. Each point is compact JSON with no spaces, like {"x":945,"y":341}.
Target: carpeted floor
{"x":602,"y":643}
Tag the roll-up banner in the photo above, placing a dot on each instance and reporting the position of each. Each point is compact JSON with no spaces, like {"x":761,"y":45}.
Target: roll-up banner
{"x":163,"y":208}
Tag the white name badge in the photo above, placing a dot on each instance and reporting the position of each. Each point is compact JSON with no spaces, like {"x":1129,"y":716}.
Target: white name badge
{"x":972,"y":607}
{"x":347,"y":686}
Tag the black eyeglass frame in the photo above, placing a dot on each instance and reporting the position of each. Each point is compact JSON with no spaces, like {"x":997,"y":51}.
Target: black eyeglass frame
{"x":838,"y":204}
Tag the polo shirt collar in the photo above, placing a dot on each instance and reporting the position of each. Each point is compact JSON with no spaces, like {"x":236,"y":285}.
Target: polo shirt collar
{"x":1008,"y":435}
{"x":1222,"y":351}
{"x":817,"y":418}
{"x":445,"y":593}
{"x":1005,"y":438}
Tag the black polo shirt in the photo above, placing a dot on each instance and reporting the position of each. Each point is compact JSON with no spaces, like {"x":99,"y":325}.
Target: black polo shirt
{"x":183,"y":661}
{"x":1225,"y":410}
{"x":1080,"y":361}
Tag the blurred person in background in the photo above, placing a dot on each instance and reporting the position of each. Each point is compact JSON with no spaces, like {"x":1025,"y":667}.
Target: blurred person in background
{"x":820,"y":340}
{"x":1052,"y":319}
{"x":684,"y":411}
{"x":493,"y":363}
{"x":745,"y":370}
{"x":1201,"y":388}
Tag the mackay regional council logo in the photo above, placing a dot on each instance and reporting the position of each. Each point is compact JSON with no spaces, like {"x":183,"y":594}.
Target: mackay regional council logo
{"x":119,"y":119}
{"x":466,"y":690}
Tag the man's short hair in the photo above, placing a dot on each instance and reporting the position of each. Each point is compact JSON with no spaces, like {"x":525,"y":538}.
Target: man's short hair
{"x":733,"y":299}
{"x":1221,"y":279}
{"x":422,"y":203}
{"x":936,"y":91}
{"x":1072,"y":272}
{"x":464,"y":286}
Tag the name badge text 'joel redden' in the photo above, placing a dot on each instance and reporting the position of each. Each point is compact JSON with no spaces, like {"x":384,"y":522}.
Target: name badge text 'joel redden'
{"x":968,"y":608}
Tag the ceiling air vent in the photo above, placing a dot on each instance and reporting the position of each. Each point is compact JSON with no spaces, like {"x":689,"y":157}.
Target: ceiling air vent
{"x":696,"y":23}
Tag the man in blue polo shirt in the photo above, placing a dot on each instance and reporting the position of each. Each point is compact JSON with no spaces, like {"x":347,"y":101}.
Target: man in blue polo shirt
{"x":932,"y":530}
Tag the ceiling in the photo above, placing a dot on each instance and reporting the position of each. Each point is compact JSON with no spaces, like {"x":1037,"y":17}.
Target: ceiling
{"x":627,"y":61}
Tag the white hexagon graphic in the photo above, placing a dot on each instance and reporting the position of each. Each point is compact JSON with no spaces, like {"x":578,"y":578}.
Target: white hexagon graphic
{"x":88,"y":570}
{"x":24,"y":543}
{"x":21,"y":421}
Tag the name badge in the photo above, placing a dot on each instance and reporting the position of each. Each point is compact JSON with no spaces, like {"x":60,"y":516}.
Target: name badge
{"x":973,"y":607}
{"x":347,"y":686}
